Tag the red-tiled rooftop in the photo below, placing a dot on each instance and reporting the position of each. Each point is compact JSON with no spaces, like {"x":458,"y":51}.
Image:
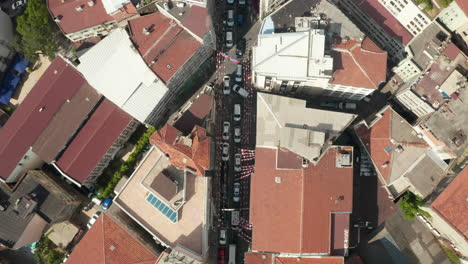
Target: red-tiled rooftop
{"x":73,"y":21}
{"x":58,"y":83}
{"x":268,"y":258}
{"x":166,"y":48}
{"x":452,"y":51}
{"x":197,"y":156}
{"x":195,"y":115}
{"x":359,"y":64}
{"x":452,"y":203}
{"x":108,"y":243}
{"x":198,"y":21}
{"x":463,"y":4}
{"x":385,"y":19}
{"x":302,"y":196}
{"x":93,"y":141}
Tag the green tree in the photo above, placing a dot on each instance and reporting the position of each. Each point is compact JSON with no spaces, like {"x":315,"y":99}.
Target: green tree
{"x":47,"y":253}
{"x":410,"y":206}
{"x":37,"y":32}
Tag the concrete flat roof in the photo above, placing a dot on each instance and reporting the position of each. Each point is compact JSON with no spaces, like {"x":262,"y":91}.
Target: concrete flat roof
{"x":286,"y":122}
{"x":188,"y":230}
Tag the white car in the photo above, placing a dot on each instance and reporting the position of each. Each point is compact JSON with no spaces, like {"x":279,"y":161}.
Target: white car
{"x":226,"y":126}
{"x":230,"y":18}
{"x":237,"y":112}
{"x":236,"y":88}
{"x":225,"y":156}
{"x":236,"y":197}
{"x":241,"y":2}
{"x":237,"y":162}
{"x":93,"y":220}
{"x":237,"y":134}
{"x":230,"y":2}
{"x":226,"y":85}
{"x":239,"y":73}
{"x":18,"y":4}
{"x":222,"y":237}
{"x":229,"y":39}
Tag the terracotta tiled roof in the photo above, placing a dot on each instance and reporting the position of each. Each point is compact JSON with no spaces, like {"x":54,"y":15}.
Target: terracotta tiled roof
{"x":359,"y":64}
{"x":198,"y":21}
{"x":167,"y":46}
{"x":463,"y":4}
{"x":195,"y":156}
{"x":302,"y":196}
{"x":108,"y":243}
{"x":65,"y":123}
{"x":195,"y":115}
{"x":385,"y":19}
{"x":452,"y":203}
{"x":93,"y":141}
{"x":73,"y":21}
{"x":452,"y":51}
{"x":58,"y":83}
{"x":268,"y":258}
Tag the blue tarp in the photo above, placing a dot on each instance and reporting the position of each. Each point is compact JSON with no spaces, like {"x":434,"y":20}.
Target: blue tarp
{"x":19,"y":64}
{"x":8,"y":87}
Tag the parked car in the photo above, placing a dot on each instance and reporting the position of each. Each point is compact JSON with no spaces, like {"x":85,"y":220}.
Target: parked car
{"x":241,"y":2}
{"x":237,"y":134}
{"x":241,"y":91}
{"x":348,"y":106}
{"x":230,"y":18}
{"x":237,"y":112}
{"x":238,"y":73}
{"x":240,"y":20}
{"x":221,"y":255}
{"x":226,"y":85}
{"x":230,"y":2}
{"x":237,"y":162}
{"x":240,"y":47}
{"x":229,"y":39}
{"x":236,"y":196}
{"x":225,"y":155}
{"x":329,"y":104}
{"x":226,"y":127}
{"x":93,"y":220}
{"x":106,"y":204}
{"x":18,"y":4}
{"x":222,"y":236}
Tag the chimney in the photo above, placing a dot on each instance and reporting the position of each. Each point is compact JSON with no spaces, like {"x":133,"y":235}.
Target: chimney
{"x":91,"y":3}
{"x":79,"y":8}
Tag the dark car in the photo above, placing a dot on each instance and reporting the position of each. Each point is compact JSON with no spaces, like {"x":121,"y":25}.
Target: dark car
{"x":240,"y":47}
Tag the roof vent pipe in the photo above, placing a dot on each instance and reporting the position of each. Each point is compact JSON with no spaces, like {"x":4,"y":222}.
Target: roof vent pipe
{"x":146,"y":31}
{"x":91,"y":3}
{"x":79,"y":8}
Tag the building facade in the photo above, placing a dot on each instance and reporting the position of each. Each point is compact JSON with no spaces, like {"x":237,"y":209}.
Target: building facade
{"x":6,"y":37}
{"x":408,"y":14}
{"x":455,"y":18}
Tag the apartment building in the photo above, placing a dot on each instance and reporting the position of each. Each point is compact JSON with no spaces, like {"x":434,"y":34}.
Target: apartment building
{"x":6,"y":38}
{"x":455,"y":18}
{"x":83,"y":19}
{"x":408,"y":14}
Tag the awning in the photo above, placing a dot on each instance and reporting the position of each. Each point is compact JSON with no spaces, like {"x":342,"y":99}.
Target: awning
{"x":19,"y":64}
{"x":8,"y":87}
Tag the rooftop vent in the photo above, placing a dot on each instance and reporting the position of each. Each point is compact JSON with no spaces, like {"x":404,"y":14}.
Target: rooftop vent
{"x":112,"y":247}
{"x":146,"y":31}
{"x":168,"y":66}
{"x":57,"y":19}
{"x":91,"y":3}
{"x":278,"y":179}
{"x":385,"y":165}
{"x":41,"y":109}
{"x":79,"y":8}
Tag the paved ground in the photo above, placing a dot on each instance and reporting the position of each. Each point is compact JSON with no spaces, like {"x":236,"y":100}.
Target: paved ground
{"x":30,"y":80}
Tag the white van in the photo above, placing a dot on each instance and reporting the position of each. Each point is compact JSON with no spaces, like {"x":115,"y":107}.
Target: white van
{"x":229,"y":39}
{"x":230,"y":18}
{"x":237,"y":112}
{"x":232,"y":254}
{"x":239,"y":73}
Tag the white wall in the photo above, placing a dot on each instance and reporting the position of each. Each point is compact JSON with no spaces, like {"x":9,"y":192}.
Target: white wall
{"x":29,"y":161}
{"x":453,"y":16}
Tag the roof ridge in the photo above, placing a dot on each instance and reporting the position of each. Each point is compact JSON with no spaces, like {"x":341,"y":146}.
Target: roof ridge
{"x":269,"y":110}
{"x":95,"y":131}
{"x":362,"y":69}
{"x":171,"y":26}
{"x":103,"y":238}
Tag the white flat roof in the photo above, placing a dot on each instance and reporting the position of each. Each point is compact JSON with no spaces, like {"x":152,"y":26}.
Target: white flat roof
{"x":293,"y":55}
{"x":115,"y":69}
{"x":286,"y":122}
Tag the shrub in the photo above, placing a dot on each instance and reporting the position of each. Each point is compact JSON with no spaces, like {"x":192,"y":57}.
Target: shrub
{"x":410,"y":206}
